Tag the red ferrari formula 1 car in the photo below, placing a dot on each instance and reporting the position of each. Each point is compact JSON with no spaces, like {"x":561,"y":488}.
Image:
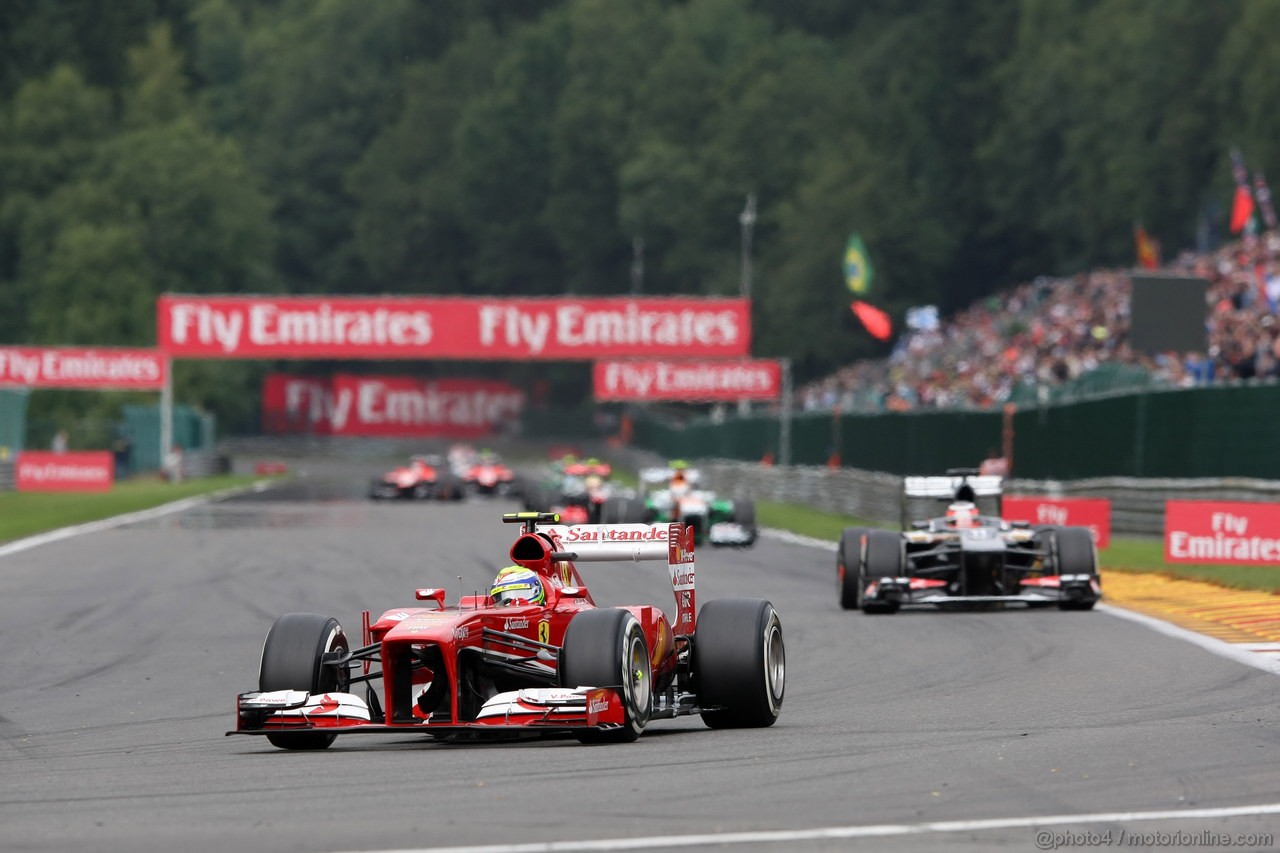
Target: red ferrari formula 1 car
{"x":560,"y":665}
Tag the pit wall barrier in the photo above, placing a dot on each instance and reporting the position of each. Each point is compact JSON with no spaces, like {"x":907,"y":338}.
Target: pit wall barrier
{"x":1221,"y":431}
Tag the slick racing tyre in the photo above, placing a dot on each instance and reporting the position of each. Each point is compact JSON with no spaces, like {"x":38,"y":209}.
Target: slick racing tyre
{"x":291,"y":660}
{"x":606,"y":648}
{"x":848,"y":561}
{"x":611,"y":511}
{"x":1074,"y":554}
{"x":744,"y":515}
{"x":883,"y":559}
{"x":740,"y":663}
{"x":450,"y":488}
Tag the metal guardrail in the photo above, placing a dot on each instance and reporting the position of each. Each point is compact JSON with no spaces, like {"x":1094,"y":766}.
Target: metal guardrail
{"x":1137,"y":505}
{"x":6,"y":476}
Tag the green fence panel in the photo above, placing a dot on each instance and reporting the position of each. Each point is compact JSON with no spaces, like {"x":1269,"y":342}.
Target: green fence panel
{"x":13,"y":422}
{"x":1214,"y":431}
{"x":192,"y":430}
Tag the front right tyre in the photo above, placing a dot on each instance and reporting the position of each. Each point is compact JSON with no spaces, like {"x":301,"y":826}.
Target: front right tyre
{"x":292,"y":660}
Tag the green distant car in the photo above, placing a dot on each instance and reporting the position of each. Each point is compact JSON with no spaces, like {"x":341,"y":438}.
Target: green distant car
{"x":673,"y":494}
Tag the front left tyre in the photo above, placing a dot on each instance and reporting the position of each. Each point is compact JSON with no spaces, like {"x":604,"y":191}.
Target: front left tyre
{"x":607,"y":648}
{"x":292,"y":659}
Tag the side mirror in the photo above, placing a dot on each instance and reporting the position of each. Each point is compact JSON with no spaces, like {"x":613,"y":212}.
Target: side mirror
{"x":919,"y":525}
{"x":431,"y":593}
{"x":573,"y":592}
{"x":1020,"y":525}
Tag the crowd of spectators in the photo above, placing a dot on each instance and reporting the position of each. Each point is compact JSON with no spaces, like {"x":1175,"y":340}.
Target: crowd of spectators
{"x":1051,"y":331}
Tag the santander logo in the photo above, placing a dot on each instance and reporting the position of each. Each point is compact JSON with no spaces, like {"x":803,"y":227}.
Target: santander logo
{"x":598,"y":706}
{"x":604,"y":533}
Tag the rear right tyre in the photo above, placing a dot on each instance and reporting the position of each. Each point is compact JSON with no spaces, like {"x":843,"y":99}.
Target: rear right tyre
{"x":740,"y":662}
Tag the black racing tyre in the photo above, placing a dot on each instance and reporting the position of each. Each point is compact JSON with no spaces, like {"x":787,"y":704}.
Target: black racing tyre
{"x":376,"y":486}
{"x":535,"y":498}
{"x":607,"y":648}
{"x":740,"y":663}
{"x":421,"y":491}
{"x":613,"y":510}
{"x":450,"y":488}
{"x":1074,"y":554}
{"x":744,"y":514}
{"x":884,"y":558}
{"x":291,"y":661}
{"x":848,"y":563}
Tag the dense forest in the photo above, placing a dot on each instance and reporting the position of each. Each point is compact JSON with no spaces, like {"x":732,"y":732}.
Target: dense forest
{"x":531,"y":146}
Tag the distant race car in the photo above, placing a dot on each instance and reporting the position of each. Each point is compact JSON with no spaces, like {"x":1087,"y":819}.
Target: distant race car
{"x":672,"y":494}
{"x":561,"y":665}
{"x":489,"y":475}
{"x":424,"y":477}
{"x":965,"y":557}
{"x":579,"y":490}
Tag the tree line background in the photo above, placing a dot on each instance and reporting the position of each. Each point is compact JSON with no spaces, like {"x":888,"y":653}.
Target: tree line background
{"x":520,"y":148}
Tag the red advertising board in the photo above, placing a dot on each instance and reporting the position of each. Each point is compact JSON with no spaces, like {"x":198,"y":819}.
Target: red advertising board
{"x":1093,"y":513}
{"x":42,"y":471}
{"x":1222,"y":532}
{"x":400,"y":406}
{"x":759,"y":379}
{"x":450,"y":327}
{"x":105,"y":368}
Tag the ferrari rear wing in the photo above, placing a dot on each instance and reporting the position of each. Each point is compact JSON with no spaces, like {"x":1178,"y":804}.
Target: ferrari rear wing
{"x":612,"y":543}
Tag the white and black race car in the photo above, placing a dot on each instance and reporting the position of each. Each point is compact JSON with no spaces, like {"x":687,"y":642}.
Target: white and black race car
{"x":965,"y":557}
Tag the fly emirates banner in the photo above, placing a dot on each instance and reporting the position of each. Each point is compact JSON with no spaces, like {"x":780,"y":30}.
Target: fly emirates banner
{"x":559,"y":329}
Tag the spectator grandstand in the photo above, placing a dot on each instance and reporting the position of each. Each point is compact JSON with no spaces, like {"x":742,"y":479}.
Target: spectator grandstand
{"x":1039,"y":338}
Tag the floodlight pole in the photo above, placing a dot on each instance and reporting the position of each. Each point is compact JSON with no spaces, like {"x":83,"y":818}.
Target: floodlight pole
{"x":784,"y":416}
{"x":637,"y":265}
{"x":166,"y":416}
{"x":748,"y":220}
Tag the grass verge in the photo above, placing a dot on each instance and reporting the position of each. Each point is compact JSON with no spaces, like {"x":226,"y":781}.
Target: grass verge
{"x":1125,"y":554}
{"x":28,"y":513}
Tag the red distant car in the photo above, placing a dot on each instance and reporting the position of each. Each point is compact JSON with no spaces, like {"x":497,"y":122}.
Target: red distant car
{"x":423,"y":477}
{"x":558,"y":665}
{"x":489,"y":475}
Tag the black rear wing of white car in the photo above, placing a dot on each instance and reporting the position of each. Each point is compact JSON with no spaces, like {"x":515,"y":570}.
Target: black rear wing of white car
{"x":653,"y":476}
{"x":921,"y":495}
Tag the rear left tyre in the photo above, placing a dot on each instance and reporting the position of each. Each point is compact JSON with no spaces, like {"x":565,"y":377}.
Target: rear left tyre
{"x":607,"y":648}
{"x":292,"y":660}
{"x":740,"y":661}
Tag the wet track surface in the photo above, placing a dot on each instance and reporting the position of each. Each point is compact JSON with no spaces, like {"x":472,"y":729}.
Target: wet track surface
{"x":124,"y":651}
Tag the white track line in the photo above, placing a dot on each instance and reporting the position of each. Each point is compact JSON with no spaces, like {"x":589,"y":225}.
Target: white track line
{"x":1238,"y":652}
{"x":841,"y":832}
{"x":25,"y":544}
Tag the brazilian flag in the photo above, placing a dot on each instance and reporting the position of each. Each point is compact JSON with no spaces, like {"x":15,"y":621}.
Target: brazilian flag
{"x":858,"y":271}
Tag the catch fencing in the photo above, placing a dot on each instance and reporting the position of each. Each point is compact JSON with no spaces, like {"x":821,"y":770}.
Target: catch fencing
{"x":1137,"y":505}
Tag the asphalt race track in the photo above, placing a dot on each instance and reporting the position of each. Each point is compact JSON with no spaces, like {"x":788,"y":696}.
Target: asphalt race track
{"x":124,"y":651}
